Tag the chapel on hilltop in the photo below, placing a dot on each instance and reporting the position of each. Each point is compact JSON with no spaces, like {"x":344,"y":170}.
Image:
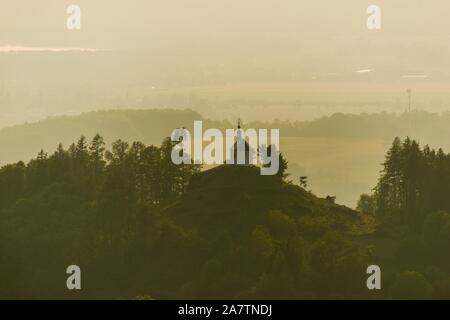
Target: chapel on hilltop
{"x":241,"y":151}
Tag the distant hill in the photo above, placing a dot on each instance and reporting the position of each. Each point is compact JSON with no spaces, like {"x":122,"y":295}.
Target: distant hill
{"x":23,"y":142}
{"x":428,"y":127}
{"x":431,"y":128}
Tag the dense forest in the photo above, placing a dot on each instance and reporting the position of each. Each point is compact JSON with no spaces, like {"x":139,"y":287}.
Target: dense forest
{"x":80,"y":204}
{"x":411,"y":201}
{"x":141,"y":227}
{"x":138,"y":229}
{"x":413,"y":184}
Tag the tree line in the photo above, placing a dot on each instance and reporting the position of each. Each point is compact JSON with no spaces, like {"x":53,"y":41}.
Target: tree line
{"x":118,"y":214}
{"x":411,"y":201}
{"x":138,"y":173}
{"x":414,"y":182}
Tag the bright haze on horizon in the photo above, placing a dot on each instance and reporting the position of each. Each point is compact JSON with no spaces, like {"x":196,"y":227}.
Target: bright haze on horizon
{"x":260,"y":59}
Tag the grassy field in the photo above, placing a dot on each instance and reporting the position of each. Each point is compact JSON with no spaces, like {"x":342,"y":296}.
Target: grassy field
{"x":344,"y":168}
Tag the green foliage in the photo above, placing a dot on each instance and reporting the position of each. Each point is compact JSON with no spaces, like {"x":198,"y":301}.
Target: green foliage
{"x":436,"y":237}
{"x":337,"y":262}
{"x":303,"y":181}
{"x":411,"y":201}
{"x":413,"y":183}
{"x":436,"y":231}
{"x":411,"y":285}
{"x":281,"y":225}
{"x":84,"y":206}
{"x":367,"y":204}
{"x":142,"y":228}
{"x":262,"y":242}
{"x":12,"y":183}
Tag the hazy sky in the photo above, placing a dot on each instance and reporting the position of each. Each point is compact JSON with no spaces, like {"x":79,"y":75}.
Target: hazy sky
{"x":150,"y":23}
{"x":142,"y":53}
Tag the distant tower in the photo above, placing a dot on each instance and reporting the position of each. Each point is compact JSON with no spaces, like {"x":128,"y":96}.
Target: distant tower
{"x":409,"y":111}
{"x":409,"y":100}
{"x":239,"y":131}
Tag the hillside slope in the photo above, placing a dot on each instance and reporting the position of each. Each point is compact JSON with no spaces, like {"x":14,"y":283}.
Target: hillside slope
{"x":245,"y":197}
{"x":260,"y":237}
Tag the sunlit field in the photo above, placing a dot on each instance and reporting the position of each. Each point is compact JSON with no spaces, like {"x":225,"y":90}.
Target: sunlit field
{"x":344,"y":168}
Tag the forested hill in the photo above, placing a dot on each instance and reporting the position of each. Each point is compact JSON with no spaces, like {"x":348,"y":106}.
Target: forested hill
{"x":245,"y":196}
{"x":260,"y":237}
{"x":23,"y":142}
{"x":141,"y":227}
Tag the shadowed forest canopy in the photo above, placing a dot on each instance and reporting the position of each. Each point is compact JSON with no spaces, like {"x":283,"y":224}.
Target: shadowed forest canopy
{"x":414,"y":182}
{"x":142,"y":228}
{"x":340,"y":154}
{"x":411,"y":203}
{"x":138,"y":228}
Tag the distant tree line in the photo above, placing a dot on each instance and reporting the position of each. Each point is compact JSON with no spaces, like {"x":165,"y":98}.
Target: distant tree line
{"x":139,"y":227}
